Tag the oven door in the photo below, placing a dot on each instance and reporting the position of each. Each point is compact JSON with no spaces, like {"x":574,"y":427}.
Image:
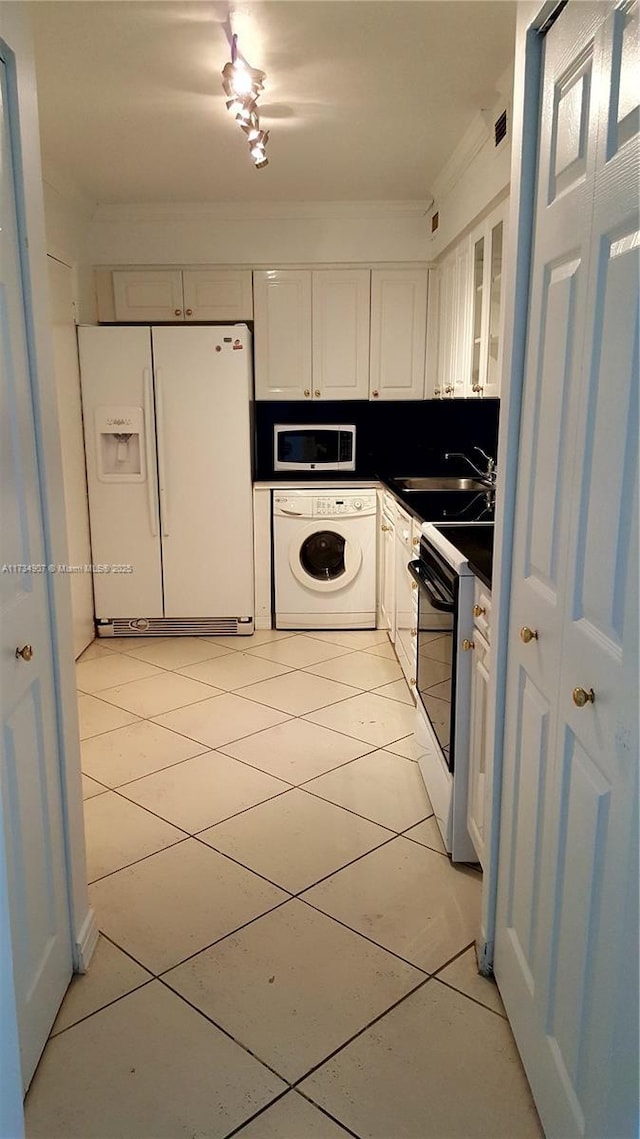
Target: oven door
{"x":436,"y":669}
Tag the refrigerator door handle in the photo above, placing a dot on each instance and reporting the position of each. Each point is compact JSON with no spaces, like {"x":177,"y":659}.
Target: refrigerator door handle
{"x":162,"y":469}
{"x":149,"y":444}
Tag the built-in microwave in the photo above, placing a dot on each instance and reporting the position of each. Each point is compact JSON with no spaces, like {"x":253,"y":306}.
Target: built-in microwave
{"x":314,"y":447}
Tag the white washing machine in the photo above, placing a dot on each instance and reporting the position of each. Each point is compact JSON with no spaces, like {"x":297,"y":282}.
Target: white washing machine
{"x":325,"y":559}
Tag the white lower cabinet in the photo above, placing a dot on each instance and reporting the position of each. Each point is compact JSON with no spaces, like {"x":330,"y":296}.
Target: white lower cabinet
{"x":479,"y":757}
{"x":406,"y":599}
{"x":387,"y":565}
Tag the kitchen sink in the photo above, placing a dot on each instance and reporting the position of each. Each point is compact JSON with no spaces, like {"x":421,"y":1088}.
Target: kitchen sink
{"x":440,"y":483}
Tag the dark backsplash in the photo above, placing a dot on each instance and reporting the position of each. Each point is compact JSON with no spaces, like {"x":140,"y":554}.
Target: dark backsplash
{"x":393,"y":438}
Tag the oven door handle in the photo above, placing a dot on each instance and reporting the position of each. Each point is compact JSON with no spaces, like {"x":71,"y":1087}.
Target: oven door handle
{"x":444,"y":604}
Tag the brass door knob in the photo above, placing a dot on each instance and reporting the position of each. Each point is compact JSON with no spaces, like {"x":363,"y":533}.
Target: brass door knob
{"x":448,"y":390}
{"x":414,"y":585}
{"x":384,"y":528}
{"x":415,"y":541}
{"x":189,"y":311}
{"x":374,"y":394}
{"x":317,"y":392}
{"x":582,"y":697}
{"x":414,"y":632}
{"x":527,"y":634}
{"x":436,"y":391}
{"x":26,"y":652}
{"x":177,"y":312}
{"x":307,"y":392}
{"x":467,"y":645}
{"x":413,"y":682}
{"x":478,"y":611}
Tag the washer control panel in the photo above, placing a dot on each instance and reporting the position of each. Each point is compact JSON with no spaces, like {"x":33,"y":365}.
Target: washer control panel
{"x":361,"y":504}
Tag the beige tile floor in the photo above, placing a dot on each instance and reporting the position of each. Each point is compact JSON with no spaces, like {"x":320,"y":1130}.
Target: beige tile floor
{"x":286,"y":951}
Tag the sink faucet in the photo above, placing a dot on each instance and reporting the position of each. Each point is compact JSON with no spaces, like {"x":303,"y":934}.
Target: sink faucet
{"x":489,"y":475}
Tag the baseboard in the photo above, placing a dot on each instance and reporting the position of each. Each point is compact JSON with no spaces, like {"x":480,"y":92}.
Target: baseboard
{"x":85,"y":945}
{"x":262,"y":623}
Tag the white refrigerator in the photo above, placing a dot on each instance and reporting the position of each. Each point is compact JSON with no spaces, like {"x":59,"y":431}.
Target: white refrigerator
{"x":167,"y":420}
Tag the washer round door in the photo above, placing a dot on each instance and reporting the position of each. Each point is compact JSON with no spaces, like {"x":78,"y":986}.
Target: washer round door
{"x":325,"y":558}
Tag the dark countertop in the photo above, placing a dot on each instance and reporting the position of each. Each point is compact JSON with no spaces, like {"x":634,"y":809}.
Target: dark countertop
{"x":476,"y":544}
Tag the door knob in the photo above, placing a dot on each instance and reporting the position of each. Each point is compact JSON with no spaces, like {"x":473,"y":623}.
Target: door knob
{"x":188,"y":312}
{"x":478,"y":611}
{"x":582,"y":697}
{"x":317,"y":393}
{"x":527,"y":634}
{"x":177,"y":312}
{"x":307,"y":392}
{"x":385,"y":528}
{"x":467,"y":644}
{"x":26,"y":652}
{"x":374,"y":394}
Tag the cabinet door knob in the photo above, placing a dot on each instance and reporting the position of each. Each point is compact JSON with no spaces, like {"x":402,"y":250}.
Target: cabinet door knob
{"x":414,"y":632}
{"x":317,"y":393}
{"x":479,"y":611}
{"x":436,"y":391}
{"x":307,"y":393}
{"x":189,"y":311}
{"x":177,"y":312}
{"x":384,"y":528}
{"x":413,"y":682}
{"x":415,"y":541}
{"x":581,"y":697}
{"x":26,"y":652}
{"x":527,"y":634}
{"x":414,"y":585}
{"x":467,"y":645}
{"x":374,"y":394}
{"x":448,"y":390}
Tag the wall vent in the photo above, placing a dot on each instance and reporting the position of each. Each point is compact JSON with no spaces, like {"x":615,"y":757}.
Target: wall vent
{"x":435,"y":221}
{"x":500,"y":128}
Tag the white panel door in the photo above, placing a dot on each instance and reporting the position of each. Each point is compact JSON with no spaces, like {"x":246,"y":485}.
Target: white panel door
{"x":116,"y":374}
{"x":398,"y":333}
{"x":147,"y":294}
{"x":67,"y":376}
{"x":203,"y":399}
{"x":282,"y":313}
{"x":30,"y":790}
{"x":340,"y":304}
{"x":567,"y":936}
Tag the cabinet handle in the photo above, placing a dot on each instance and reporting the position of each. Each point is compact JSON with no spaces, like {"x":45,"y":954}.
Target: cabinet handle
{"x":581,"y":697}
{"x":414,"y":585}
{"x":307,"y":392}
{"x":527,"y":634}
{"x":413,"y":682}
{"x":385,"y":528}
{"x":414,"y":632}
{"x":436,"y":391}
{"x":479,"y":611}
{"x":26,"y":652}
{"x":188,"y":312}
{"x":374,"y":394}
{"x":448,"y":390}
{"x":467,"y":645}
{"x":415,"y":541}
{"x":317,"y":393}
{"x":177,"y":312}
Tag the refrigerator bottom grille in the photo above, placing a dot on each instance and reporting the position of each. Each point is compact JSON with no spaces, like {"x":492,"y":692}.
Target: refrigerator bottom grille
{"x":175,"y":627}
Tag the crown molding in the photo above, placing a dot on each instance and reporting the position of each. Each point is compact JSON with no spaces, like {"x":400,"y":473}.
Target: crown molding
{"x":479,"y":131}
{"x":259,"y":211}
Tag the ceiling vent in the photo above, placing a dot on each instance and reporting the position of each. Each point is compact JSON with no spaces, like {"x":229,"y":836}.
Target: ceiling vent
{"x":500,"y":128}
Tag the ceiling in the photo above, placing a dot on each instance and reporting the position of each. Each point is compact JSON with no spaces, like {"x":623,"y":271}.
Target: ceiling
{"x":365,"y":100}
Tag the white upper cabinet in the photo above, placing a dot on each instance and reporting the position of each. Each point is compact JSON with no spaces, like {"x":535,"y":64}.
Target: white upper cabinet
{"x":282,"y":334}
{"x":221,"y":295}
{"x":398,"y":333}
{"x":341,"y":333}
{"x":291,"y":362}
{"x":470,"y":314}
{"x":148,"y":296}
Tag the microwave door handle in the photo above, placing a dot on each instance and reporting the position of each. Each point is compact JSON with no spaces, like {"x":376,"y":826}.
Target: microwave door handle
{"x":444,"y":606}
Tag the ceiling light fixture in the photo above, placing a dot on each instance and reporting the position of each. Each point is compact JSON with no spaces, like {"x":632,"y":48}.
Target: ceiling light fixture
{"x":243,"y":85}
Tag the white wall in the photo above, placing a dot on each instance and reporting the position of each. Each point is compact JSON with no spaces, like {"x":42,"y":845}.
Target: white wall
{"x":475,"y":178}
